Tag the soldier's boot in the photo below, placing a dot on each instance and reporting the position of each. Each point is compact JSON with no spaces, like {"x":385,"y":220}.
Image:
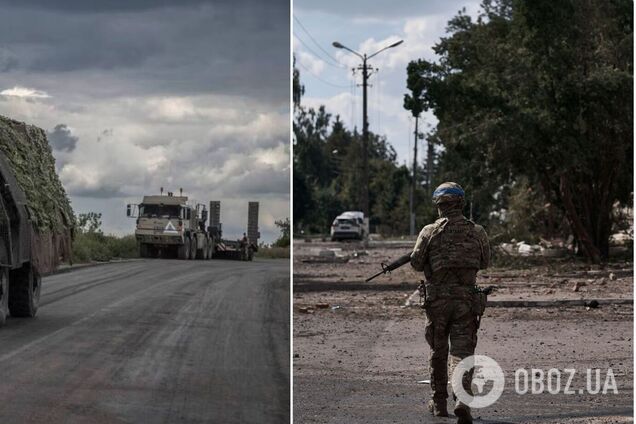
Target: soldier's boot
{"x":462,"y":412}
{"x":438,"y":408}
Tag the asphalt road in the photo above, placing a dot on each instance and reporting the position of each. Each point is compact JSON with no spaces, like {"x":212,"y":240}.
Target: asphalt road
{"x":154,"y":341}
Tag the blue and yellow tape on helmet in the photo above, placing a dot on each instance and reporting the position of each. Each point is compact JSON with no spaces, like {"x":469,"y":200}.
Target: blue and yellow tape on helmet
{"x":448,"y":191}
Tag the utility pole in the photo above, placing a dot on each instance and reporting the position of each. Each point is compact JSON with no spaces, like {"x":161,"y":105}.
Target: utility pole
{"x":414,"y":182}
{"x":429,"y":163}
{"x":365,"y":120}
{"x":365,"y":138}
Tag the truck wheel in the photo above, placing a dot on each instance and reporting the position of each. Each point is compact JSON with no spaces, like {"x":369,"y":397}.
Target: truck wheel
{"x":183,"y":251}
{"x":193,"y":247}
{"x":204,"y":252}
{"x":201,"y":250}
{"x":4,"y":296}
{"x":24,"y":294}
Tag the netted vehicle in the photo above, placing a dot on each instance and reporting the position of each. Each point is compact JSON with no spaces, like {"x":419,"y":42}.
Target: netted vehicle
{"x":36,"y":218}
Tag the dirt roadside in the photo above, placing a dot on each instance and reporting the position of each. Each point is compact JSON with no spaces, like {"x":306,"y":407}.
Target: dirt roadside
{"x":359,"y":354}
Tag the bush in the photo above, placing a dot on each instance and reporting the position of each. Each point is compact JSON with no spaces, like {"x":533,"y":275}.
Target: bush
{"x":122,"y":247}
{"x":283,"y":240}
{"x":94,"y":246}
{"x":273,"y":252}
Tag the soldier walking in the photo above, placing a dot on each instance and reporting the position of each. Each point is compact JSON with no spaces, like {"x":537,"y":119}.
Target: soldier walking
{"x":450,"y":252}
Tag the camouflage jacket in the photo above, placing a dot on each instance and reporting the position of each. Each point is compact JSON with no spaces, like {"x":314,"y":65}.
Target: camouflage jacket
{"x":452,"y":247}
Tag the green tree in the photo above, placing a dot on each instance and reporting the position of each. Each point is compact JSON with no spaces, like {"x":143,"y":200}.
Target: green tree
{"x":540,"y":91}
{"x":284,"y":226}
{"x":90,"y":222}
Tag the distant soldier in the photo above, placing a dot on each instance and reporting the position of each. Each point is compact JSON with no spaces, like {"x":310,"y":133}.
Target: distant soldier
{"x":244,"y":248}
{"x":450,"y":252}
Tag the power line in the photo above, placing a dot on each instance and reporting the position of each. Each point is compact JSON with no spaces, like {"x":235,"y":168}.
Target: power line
{"x":338,"y":64}
{"x":313,"y":52}
{"x":319,"y":78}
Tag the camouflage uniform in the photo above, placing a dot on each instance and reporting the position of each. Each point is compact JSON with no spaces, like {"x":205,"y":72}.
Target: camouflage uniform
{"x":244,"y":247}
{"x":450,"y":252}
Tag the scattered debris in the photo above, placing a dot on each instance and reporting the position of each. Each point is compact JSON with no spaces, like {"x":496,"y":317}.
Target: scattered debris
{"x":325,"y":260}
{"x":621,"y":239}
{"x":305,"y":310}
{"x":424,"y":382}
{"x":329,"y":253}
{"x":593,"y":304}
{"x":332,"y":255}
{"x":335,"y":307}
{"x":322,"y":305}
{"x":612,"y":276}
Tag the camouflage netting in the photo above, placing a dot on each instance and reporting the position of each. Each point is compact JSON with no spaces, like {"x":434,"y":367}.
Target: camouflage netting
{"x":29,"y":155}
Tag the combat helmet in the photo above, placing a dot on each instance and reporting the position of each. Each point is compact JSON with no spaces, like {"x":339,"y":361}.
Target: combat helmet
{"x":448,"y":192}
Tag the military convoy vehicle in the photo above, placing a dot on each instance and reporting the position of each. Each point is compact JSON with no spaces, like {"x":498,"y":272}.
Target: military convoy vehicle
{"x":167,"y":225}
{"x":36,"y":219}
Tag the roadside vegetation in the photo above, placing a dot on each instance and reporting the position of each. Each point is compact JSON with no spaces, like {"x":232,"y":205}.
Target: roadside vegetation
{"x":92,"y":245}
{"x":280,"y":248}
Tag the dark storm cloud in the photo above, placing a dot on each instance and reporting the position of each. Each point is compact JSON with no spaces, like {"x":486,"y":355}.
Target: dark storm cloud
{"x":184,"y":93}
{"x":8,"y":60}
{"x":97,"y":5}
{"x":151,"y":47}
{"x":62,"y":139}
{"x":380,"y":9}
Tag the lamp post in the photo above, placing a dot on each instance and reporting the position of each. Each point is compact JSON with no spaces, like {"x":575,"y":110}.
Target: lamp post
{"x":365,"y":120}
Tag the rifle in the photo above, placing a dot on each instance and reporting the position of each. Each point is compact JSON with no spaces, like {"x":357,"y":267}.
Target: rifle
{"x":402,"y":260}
{"x":487,"y":290}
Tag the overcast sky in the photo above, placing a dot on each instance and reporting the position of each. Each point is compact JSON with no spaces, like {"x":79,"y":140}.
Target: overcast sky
{"x":366,"y":26}
{"x":139,"y":94}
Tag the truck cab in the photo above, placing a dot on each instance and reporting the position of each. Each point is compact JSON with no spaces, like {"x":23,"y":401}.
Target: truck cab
{"x":169,"y":224}
{"x":163,"y":220}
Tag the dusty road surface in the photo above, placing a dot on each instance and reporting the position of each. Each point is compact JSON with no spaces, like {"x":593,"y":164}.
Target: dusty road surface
{"x":359,"y":353}
{"x":154,"y":341}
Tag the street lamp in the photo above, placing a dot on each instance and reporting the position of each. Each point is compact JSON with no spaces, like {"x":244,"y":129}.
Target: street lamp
{"x":365,"y":121}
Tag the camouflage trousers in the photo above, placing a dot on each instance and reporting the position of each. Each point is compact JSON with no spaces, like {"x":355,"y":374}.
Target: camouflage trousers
{"x":451,"y":320}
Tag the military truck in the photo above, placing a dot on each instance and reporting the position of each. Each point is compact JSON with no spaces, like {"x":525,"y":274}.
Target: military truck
{"x":167,"y":225}
{"x":36,"y":219}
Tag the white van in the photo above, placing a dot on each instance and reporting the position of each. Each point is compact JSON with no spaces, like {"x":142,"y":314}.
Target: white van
{"x":349,"y":225}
